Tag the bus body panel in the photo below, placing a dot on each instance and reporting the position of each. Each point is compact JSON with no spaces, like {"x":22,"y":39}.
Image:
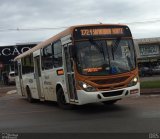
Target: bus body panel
{"x":18,"y":86}
{"x":29,"y":81}
{"x":50,"y":81}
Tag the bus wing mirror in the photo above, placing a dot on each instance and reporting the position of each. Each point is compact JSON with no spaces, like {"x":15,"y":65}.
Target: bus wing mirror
{"x":72,"y":50}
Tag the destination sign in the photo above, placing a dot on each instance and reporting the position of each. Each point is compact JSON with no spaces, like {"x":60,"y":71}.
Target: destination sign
{"x":109,"y":31}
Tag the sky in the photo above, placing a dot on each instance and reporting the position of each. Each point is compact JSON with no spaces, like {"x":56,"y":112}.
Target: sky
{"x":24,"y":21}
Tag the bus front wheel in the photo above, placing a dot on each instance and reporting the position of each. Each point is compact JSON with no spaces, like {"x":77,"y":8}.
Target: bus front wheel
{"x":62,"y":101}
{"x":29,"y":96}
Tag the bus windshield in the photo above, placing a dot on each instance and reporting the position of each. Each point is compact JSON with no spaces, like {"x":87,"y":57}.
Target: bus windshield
{"x":105,"y":57}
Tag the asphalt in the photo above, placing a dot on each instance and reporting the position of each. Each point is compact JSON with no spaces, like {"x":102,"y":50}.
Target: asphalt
{"x":5,"y":89}
{"x":129,"y":115}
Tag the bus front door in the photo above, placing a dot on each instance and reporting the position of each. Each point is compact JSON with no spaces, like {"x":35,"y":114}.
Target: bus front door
{"x":37,"y":75}
{"x":69,"y":75}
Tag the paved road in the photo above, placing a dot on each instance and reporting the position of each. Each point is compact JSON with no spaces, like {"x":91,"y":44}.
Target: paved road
{"x":5,"y":89}
{"x":128,"y":115}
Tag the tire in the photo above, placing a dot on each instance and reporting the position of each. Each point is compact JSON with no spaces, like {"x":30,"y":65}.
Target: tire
{"x":110,"y":102}
{"x":62,"y":101}
{"x":29,"y":96}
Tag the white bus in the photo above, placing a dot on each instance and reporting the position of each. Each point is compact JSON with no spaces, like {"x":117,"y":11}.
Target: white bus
{"x":83,"y":64}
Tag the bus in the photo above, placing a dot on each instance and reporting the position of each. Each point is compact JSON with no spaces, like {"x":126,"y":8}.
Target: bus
{"x":83,"y":64}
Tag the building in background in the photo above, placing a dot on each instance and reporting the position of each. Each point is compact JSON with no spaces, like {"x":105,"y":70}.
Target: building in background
{"x":7,"y":55}
{"x":148,"y":54}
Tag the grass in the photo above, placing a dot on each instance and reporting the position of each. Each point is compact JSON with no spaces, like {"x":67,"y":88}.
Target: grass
{"x":150,"y":84}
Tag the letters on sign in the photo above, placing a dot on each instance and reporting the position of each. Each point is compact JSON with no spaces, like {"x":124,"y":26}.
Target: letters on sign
{"x":11,"y":52}
{"x":109,"y":31}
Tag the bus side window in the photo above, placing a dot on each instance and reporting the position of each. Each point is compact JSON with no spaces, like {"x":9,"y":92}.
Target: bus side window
{"x":47,"y":57}
{"x":27,"y":64}
{"x":57,"y":54}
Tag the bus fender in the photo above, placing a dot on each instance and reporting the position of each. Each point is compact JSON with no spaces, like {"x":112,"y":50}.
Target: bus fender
{"x":60,"y":86}
{"x":29,"y":94}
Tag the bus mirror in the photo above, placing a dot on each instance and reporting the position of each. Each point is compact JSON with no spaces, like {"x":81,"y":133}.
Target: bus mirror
{"x":72,"y":50}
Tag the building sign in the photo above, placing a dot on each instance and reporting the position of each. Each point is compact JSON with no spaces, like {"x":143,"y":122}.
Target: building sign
{"x":11,"y":51}
{"x":149,"y":50}
{"x":8,"y":53}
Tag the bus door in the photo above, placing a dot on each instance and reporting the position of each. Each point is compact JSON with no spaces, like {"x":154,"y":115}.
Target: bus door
{"x":69,"y":74}
{"x":20,"y":85}
{"x":37,"y":76}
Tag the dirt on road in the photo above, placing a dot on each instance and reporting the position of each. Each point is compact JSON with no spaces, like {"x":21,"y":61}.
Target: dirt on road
{"x":5,"y":89}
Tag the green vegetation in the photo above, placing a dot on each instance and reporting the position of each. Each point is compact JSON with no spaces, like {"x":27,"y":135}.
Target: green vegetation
{"x":150,"y":84}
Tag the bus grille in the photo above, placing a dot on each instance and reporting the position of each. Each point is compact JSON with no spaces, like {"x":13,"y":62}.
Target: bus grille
{"x":111,"y":81}
{"x":110,"y":94}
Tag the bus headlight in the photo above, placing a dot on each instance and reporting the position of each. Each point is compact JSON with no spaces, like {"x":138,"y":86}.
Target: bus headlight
{"x":86,"y":87}
{"x":133,"y":82}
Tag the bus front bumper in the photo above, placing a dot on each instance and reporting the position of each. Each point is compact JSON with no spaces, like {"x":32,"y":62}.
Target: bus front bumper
{"x":100,"y":96}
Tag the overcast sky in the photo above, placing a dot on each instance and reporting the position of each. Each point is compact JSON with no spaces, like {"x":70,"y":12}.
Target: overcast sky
{"x":31,"y":14}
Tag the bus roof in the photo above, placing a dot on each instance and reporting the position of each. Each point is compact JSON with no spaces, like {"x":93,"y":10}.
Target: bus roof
{"x":58,"y":36}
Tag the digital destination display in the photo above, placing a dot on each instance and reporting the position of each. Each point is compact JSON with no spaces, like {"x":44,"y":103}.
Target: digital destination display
{"x":101,"y":32}
{"x":105,"y":31}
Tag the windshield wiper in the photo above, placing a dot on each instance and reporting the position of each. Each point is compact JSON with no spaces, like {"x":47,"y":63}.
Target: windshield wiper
{"x":115,"y":46}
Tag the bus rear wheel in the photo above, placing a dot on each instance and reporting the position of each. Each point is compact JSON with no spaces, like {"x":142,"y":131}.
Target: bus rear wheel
{"x":62,"y":101}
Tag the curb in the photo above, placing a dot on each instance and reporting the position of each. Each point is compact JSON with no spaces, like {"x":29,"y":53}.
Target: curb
{"x":153,"y":93}
{"x":150,"y":91}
